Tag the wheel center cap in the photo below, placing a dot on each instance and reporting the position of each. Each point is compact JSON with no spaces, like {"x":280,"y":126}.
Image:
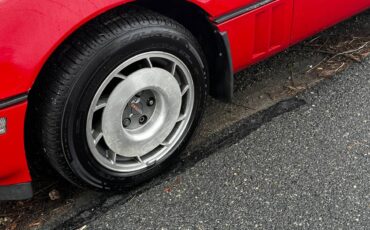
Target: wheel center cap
{"x":141,"y":140}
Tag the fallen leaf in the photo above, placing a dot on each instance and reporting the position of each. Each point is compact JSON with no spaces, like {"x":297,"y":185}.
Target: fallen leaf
{"x":82,"y":228}
{"x":353,"y":57}
{"x":327,"y":73}
{"x":34,"y":224}
{"x":13,"y":226}
{"x":173,"y":185}
{"x":168,"y":189}
{"x":54,"y":194}
{"x":296,"y":88}
{"x":364,"y":55}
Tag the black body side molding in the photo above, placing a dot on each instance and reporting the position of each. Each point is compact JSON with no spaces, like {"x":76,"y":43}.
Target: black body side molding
{"x":13,"y":101}
{"x":243,"y":10}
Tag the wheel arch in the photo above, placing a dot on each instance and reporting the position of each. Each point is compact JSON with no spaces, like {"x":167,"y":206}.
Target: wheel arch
{"x":32,"y":31}
{"x":193,"y":14}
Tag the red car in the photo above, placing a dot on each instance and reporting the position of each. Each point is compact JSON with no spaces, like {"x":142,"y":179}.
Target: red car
{"x":110,"y":91}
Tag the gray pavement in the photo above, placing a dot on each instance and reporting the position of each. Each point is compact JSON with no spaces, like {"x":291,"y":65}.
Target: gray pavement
{"x":306,"y":168}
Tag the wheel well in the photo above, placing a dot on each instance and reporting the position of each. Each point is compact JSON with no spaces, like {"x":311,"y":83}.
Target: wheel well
{"x":196,"y":20}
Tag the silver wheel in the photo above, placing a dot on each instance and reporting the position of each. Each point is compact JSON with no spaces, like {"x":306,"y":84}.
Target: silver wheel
{"x":140,"y":112}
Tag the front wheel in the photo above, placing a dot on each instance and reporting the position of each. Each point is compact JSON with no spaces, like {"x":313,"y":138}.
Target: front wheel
{"x":140,"y":113}
{"x":121,"y":99}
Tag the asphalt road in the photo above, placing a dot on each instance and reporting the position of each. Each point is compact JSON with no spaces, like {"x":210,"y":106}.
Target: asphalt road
{"x":303,"y":163}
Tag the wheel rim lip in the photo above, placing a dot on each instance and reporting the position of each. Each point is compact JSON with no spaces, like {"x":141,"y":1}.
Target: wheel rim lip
{"x":177,"y":134}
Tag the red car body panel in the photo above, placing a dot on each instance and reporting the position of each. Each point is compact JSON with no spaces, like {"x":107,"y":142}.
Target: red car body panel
{"x":13,"y":163}
{"x":30,"y":31}
{"x":259,"y":33}
{"x":313,"y":16}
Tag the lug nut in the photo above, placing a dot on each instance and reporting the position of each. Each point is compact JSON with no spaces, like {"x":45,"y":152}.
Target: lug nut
{"x":143,"y":119}
{"x":126,"y":122}
{"x":150,"y":101}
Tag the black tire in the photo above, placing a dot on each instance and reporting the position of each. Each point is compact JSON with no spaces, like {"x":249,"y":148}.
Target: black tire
{"x":68,"y":81}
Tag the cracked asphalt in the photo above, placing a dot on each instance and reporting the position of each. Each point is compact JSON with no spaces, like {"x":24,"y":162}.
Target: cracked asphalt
{"x":306,"y":167}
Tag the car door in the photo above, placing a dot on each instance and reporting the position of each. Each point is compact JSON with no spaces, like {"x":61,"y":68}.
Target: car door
{"x":256,"y":28}
{"x":312,"y":16}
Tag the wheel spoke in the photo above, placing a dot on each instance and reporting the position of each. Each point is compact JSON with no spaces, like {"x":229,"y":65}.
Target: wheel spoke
{"x":98,"y":138}
{"x":100,"y":106}
{"x":166,"y":143}
{"x":184,"y":90}
{"x":112,"y":157}
{"x":139,"y":159}
{"x":150,"y":163}
{"x":102,"y":103}
{"x":182,"y":117}
{"x":173,"y":69}
{"x":119,"y":75}
{"x":150,"y":62}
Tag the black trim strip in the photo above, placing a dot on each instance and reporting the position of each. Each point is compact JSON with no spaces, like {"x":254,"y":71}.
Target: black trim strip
{"x":13,"y":100}
{"x":242,"y":10}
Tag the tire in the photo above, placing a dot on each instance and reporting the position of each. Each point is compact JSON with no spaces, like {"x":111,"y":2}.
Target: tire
{"x":93,"y":66}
